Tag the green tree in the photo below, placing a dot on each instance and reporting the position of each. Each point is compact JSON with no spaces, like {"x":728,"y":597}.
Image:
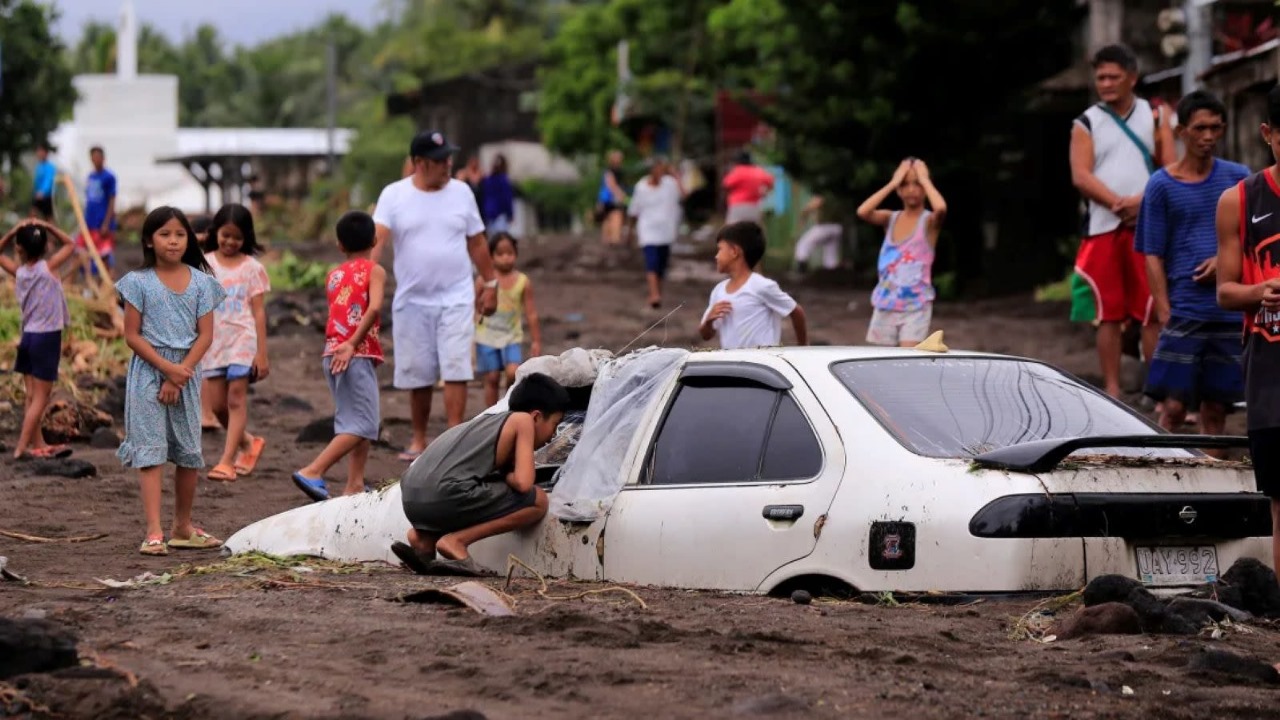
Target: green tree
{"x":856,"y":86}
{"x":35,"y":85}
{"x":672,"y":79}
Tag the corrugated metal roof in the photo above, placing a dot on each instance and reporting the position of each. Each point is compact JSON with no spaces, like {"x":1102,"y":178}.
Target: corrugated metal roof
{"x":245,"y":142}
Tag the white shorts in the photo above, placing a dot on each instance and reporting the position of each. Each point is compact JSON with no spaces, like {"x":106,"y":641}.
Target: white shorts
{"x":894,"y":328}
{"x":743,"y":212}
{"x":431,"y":344}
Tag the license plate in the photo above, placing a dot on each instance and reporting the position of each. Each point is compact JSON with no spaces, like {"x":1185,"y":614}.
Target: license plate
{"x":1177,"y":564}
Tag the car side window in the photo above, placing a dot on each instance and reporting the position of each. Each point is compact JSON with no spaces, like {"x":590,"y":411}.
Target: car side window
{"x":717,"y":432}
{"x":793,"y":451}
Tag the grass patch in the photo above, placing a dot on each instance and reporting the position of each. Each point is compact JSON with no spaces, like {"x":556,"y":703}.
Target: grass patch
{"x":1059,"y":291}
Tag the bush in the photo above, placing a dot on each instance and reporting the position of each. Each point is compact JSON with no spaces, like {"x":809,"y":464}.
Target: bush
{"x":291,"y":273}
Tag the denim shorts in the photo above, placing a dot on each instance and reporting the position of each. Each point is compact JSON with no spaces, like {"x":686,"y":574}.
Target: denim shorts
{"x":491,"y":359}
{"x":39,"y":354}
{"x":231,"y":372}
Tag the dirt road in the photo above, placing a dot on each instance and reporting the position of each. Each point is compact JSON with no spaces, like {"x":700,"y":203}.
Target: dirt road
{"x":241,"y":641}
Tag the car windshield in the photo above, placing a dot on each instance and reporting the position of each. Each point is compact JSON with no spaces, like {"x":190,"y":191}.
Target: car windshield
{"x":953,"y":407}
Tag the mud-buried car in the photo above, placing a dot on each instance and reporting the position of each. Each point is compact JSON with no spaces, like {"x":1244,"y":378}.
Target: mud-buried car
{"x":877,"y":469}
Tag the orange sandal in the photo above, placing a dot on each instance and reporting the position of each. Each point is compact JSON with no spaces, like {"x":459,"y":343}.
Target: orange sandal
{"x":247,"y":461}
{"x":222,"y":473}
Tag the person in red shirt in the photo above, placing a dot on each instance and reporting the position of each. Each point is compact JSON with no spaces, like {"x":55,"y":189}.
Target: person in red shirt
{"x":745,"y":186}
{"x":351,"y":354}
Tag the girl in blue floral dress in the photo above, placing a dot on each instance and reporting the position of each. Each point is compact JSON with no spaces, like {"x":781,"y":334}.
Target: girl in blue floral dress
{"x":168,"y":323}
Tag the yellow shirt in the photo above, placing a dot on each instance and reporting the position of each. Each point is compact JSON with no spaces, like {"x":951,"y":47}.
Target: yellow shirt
{"x":504,"y":327}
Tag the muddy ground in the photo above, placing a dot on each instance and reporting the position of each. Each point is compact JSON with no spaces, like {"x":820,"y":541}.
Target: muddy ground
{"x":280,"y":643}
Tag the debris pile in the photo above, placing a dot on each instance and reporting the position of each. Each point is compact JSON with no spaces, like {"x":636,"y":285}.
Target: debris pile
{"x":1115,"y":604}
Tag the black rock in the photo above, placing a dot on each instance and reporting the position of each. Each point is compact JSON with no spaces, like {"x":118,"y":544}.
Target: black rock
{"x":801,"y":597}
{"x":104,"y":439}
{"x":1109,"y":588}
{"x":1202,"y":612}
{"x":1232,"y":666}
{"x":1155,"y":618}
{"x":319,"y":430}
{"x":458,"y":715}
{"x":1259,"y":593}
{"x":35,"y":646}
{"x":73,"y":468}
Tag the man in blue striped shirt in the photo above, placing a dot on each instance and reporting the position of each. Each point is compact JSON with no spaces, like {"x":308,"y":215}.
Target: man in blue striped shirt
{"x":1197,"y":359}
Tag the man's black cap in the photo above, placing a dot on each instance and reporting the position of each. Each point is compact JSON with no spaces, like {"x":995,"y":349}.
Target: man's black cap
{"x":431,"y":144}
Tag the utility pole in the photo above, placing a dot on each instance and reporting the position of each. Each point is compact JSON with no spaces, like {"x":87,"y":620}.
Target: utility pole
{"x":331,"y":87}
{"x":1199,"y":43}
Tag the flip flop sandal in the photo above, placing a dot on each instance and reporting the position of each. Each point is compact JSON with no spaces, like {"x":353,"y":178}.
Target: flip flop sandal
{"x":313,"y":488}
{"x":247,"y":461}
{"x":199,"y":540}
{"x":154,"y":545}
{"x":222,"y":473}
{"x":51,"y":452}
{"x":411,"y":558}
{"x":408,"y":456}
{"x":466,"y":567}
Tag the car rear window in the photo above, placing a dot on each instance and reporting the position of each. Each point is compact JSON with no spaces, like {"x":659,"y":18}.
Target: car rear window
{"x":954,"y":407}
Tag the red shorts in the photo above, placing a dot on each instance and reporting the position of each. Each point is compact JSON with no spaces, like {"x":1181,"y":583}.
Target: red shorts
{"x":104,"y":242}
{"x":1117,"y":274}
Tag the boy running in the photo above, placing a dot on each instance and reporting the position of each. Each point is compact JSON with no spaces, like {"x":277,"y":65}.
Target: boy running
{"x":351,"y":354}
{"x":746,"y":310}
{"x":1249,"y":281}
{"x":476,"y":480}
{"x":1197,"y":358}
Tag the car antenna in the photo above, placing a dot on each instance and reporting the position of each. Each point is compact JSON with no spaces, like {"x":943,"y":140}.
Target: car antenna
{"x":646,"y":330}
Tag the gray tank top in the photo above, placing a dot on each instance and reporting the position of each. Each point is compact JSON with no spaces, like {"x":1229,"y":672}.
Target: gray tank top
{"x":467,"y":452}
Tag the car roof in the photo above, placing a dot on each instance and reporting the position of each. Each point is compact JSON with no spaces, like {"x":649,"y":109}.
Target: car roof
{"x":835,"y":353}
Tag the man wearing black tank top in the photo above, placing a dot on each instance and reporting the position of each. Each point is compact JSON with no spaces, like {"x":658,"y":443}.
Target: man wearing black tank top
{"x":1249,"y":281}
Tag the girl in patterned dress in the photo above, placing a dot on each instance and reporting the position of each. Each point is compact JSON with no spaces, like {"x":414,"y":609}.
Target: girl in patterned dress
{"x":168,"y":323}
{"x":238,"y":355}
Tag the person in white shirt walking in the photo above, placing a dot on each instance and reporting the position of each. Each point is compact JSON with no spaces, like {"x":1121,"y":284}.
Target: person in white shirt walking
{"x":746,"y":310}
{"x":656,"y":212}
{"x":434,"y":225}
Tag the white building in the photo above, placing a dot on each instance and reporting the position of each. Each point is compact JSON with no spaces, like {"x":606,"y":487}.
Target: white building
{"x":134,"y":119}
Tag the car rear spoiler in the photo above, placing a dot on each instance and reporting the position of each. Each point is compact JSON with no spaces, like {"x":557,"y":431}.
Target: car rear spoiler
{"x":1040,"y":456}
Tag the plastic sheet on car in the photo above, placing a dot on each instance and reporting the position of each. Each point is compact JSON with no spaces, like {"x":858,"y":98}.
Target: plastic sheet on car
{"x":596,"y":470}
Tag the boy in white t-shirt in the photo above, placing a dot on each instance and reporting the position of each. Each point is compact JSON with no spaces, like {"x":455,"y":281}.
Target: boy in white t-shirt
{"x":656,"y":211}
{"x":747,"y":309}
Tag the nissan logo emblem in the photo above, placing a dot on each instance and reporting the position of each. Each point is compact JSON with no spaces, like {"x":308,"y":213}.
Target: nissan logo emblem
{"x":1187,"y":514}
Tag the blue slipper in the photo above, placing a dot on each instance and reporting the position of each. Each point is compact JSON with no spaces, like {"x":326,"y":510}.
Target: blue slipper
{"x":314,"y":489}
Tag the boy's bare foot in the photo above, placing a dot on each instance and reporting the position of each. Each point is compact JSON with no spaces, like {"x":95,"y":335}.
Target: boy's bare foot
{"x":450,"y":549}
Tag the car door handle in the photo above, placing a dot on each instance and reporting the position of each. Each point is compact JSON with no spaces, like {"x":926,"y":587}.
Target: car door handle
{"x":783,"y":512}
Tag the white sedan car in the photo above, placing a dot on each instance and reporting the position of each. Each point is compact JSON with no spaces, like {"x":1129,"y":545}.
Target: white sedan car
{"x":870,"y":469}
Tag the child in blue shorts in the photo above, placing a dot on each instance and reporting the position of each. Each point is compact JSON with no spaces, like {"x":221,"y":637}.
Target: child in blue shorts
{"x":44,"y":315}
{"x":499,"y":336}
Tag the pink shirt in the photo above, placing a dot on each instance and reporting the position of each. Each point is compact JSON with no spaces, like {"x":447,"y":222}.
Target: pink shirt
{"x":235,"y":336}
{"x":747,"y":184}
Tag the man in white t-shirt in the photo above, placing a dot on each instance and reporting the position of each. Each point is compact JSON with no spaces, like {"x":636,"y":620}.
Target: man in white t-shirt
{"x":746,"y":310}
{"x":434,"y":225}
{"x":655,"y":208}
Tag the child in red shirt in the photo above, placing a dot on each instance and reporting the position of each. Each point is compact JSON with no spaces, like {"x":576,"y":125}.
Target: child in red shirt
{"x":351,"y":354}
